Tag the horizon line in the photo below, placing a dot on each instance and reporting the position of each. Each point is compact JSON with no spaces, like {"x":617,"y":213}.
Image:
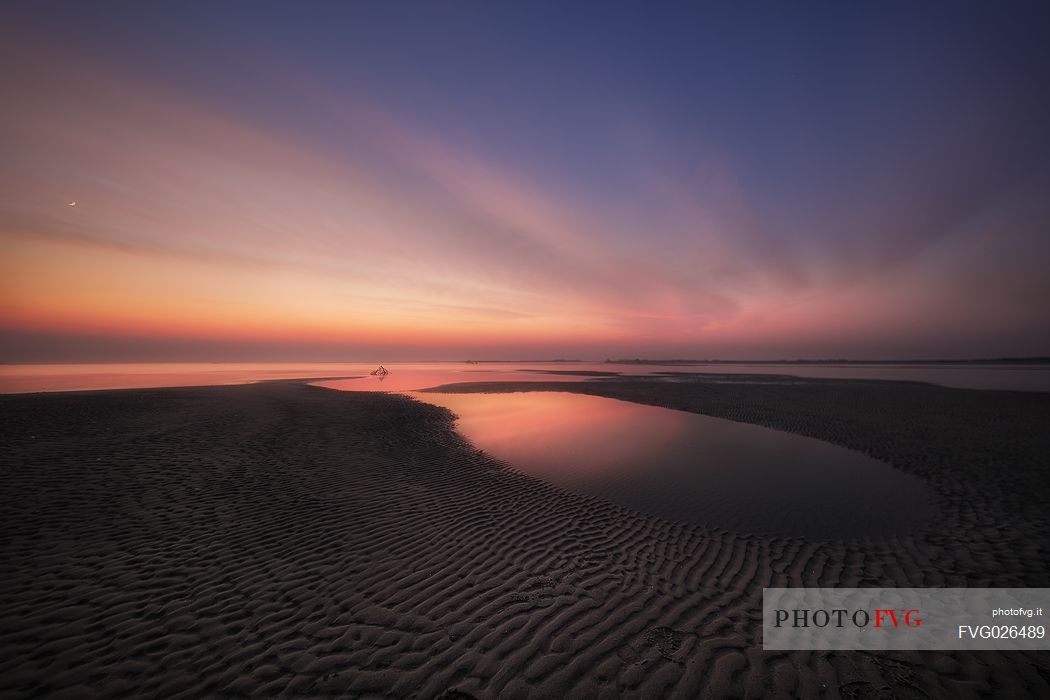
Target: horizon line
{"x":1037,"y":359}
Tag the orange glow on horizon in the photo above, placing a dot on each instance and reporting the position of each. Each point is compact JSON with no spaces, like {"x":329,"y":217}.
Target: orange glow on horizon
{"x":131,"y":209}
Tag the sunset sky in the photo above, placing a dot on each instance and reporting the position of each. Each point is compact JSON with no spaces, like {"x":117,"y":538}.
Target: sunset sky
{"x":394,"y":181}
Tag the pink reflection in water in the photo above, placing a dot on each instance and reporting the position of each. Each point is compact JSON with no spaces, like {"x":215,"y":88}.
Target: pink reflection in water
{"x":549,"y":433}
{"x":413,"y":378}
{"x":690,"y":467}
{"x":136,"y":375}
{"x":410,"y":376}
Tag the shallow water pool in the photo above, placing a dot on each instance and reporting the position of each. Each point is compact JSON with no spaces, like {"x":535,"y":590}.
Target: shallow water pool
{"x":690,"y":467}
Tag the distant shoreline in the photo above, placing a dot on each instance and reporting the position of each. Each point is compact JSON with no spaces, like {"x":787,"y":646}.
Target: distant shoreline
{"x":975,"y":361}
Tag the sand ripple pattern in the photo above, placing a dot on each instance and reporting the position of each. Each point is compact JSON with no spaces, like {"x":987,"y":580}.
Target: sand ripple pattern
{"x":279,"y":539}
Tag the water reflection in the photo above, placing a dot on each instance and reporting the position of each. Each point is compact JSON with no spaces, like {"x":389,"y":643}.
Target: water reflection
{"x":136,"y":375}
{"x":410,"y":378}
{"x":404,"y":376}
{"x":690,"y":467}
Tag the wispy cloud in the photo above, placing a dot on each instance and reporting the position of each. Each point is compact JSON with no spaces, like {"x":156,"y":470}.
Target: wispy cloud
{"x":379,"y":229}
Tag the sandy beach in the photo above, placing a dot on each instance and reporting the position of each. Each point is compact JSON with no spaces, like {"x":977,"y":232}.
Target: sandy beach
{"x":281,"y":539}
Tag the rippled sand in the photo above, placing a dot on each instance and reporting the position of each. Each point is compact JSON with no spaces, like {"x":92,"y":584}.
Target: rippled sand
{"x":284,"y":539}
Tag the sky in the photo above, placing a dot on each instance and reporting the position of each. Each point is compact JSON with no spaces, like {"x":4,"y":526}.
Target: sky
{"x":425,"y":181}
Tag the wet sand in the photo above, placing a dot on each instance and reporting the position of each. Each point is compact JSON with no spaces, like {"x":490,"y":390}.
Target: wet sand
{"x":285,"y":539}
